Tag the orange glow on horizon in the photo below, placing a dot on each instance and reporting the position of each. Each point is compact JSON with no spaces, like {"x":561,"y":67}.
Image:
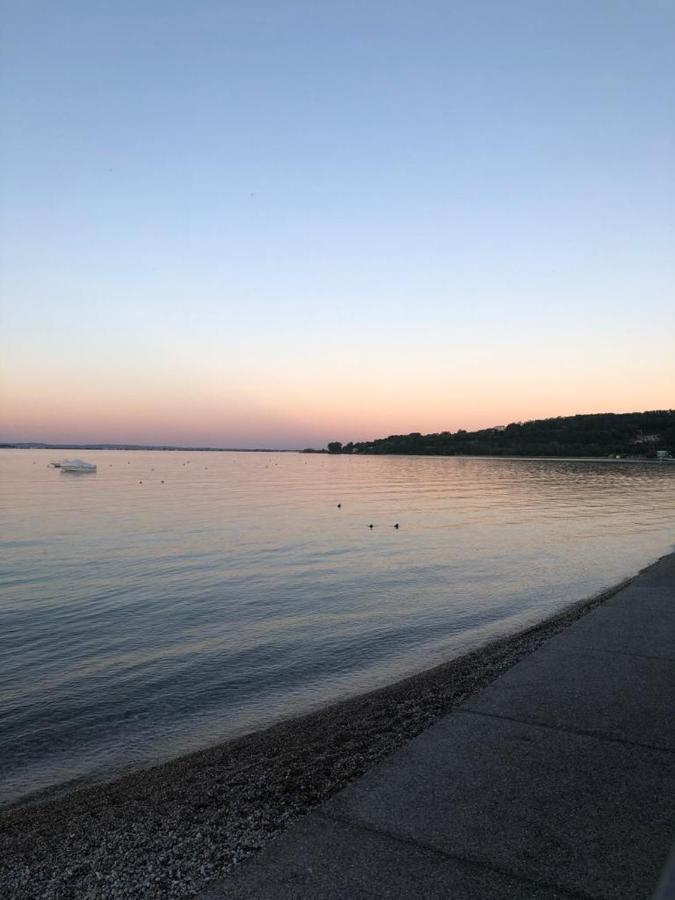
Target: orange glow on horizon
{"x":298,"y":413}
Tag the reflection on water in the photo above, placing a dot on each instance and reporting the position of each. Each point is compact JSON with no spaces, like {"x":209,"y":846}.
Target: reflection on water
{"x":227,"y":590}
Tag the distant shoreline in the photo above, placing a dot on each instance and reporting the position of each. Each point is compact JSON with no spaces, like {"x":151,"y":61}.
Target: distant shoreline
{"x":648,"y":434}
{"x":171,"y":449}
{"x":36,"y":445}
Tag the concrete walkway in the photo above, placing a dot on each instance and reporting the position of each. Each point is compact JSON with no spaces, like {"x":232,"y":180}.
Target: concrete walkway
{"x":556,"y":781}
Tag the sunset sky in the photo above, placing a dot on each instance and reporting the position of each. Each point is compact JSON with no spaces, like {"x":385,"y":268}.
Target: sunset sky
{"x":277,"y":224}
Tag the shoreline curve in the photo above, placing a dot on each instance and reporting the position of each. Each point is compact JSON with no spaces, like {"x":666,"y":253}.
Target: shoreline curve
{"x":170,"y":830}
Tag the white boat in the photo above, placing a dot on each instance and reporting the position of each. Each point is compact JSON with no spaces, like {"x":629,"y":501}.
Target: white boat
{"x":76,"y":465}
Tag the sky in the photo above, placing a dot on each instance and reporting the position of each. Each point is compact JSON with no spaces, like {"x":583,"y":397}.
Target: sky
{"x":276,"y":224}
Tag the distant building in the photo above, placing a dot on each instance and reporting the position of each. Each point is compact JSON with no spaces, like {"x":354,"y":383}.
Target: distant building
{"x":663,"y":454}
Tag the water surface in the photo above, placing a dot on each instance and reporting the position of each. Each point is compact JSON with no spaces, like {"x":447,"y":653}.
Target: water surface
{"x":139,"y":621}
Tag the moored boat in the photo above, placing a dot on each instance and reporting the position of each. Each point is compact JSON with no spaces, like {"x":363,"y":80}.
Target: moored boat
{"x":76,"y":465}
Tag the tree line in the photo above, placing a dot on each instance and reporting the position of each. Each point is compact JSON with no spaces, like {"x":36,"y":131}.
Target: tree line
{"x":639,"y":435}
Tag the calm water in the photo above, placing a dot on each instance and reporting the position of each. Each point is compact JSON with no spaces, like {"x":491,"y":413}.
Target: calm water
{"x":140,"y":621}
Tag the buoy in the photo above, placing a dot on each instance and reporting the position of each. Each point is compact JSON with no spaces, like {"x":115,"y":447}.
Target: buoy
{"x":339,"y":506}
{"x":371,"y":525}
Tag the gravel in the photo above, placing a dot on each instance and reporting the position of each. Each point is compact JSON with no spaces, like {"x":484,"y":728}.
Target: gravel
{"x":168,"y":831}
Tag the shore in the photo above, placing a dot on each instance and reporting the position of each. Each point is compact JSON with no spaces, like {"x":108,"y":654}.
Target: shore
{"x":169,"y":831}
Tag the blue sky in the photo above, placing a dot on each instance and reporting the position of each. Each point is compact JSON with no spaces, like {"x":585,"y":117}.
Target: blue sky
{"x":281,"y":223}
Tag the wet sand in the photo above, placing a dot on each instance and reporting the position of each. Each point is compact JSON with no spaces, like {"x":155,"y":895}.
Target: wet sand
{"x":168,"y":831}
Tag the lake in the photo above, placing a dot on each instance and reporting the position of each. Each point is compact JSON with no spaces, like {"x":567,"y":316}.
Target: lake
{"x":175,"y":599}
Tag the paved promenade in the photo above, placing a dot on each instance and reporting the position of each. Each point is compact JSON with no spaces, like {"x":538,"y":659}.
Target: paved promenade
{"x":556,"y":781}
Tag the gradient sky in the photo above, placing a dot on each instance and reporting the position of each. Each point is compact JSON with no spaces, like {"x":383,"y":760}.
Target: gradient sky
{"x":275,"y":224}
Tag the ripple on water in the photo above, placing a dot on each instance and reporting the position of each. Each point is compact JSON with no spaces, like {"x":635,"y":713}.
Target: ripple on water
{"x":138,"y":623}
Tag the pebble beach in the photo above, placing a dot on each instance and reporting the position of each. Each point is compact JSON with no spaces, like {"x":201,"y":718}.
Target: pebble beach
{"x":171,"y":830}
